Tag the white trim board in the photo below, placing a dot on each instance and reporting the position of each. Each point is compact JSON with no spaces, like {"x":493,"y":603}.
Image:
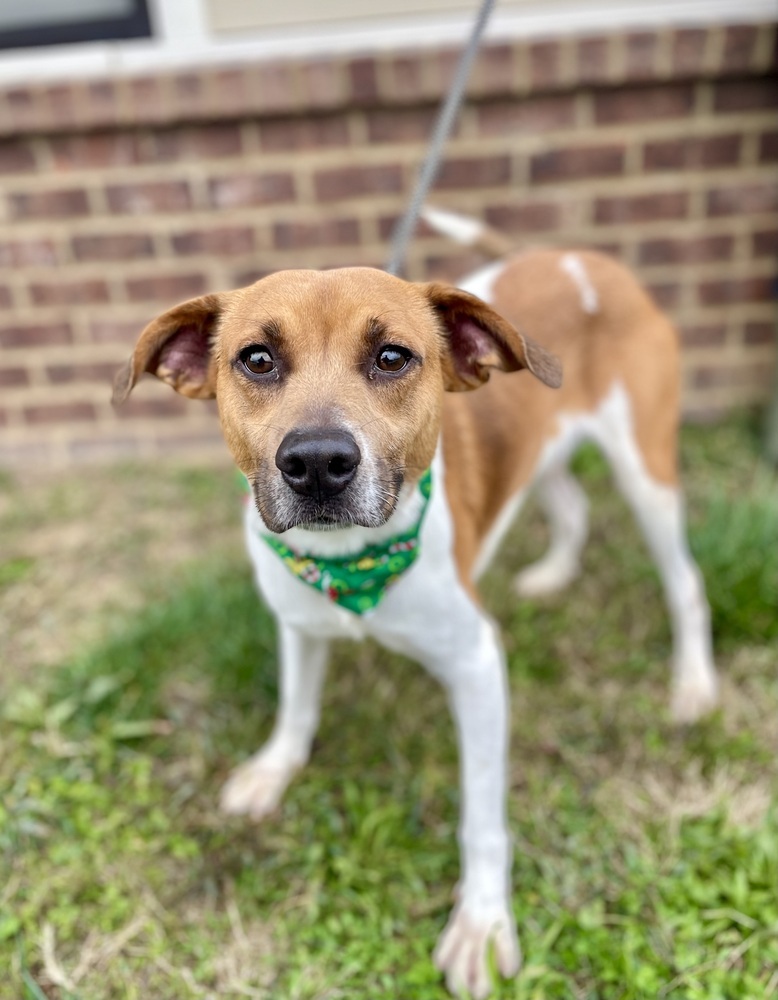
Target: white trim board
{"x":184,"y":40}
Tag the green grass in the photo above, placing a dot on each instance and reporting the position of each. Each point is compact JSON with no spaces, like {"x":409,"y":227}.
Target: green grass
{"x":646,"y":859}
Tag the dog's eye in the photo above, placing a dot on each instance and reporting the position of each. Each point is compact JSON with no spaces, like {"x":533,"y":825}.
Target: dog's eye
{"x":257,"y":359}
{"x":392,"y":358}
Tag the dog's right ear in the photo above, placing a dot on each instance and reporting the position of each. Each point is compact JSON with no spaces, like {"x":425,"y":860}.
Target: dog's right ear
{"x":176,"y":347}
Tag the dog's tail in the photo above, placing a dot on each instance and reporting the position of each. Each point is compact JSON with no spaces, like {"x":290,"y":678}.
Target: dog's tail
{"x":468,"y":231}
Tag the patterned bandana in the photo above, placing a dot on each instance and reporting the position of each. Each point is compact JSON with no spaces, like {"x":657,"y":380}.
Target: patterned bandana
{"x":359,"y":581}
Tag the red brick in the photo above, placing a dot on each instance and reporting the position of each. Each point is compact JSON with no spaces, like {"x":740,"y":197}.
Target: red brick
{"x":446,"y":61}
{"x":146,"y":98}
{"x":729,"y":290}
{"x":37,"y":335}
{"x":745,"y":199}
{"x":25,"y":253}
{"x":148,"y":198}
{"x":102,"y":102}
{"x":168,"y":287}
{"x":189,"y":92}
{"x":95,"y":372}
{"x":593,"y":64}
{"x":169,"y":406}
{"x":232,"y":91}
{"x":494,"y":70}
{"x":693,"y":153}
{"x":759,"y":333}
{"x":274,"y":86}
{"x":61,"y":103}
{"x":243,"y":278}
{"x":693,"y":250}
{"x":16,"y":156}
{"x":401,"y":125}
{"x":115,"y":331}
{"x":765,"y":243}
{"x":666,"y":293}
{"x":13,"y":377}
{"x":24,"y":108}
{"x":303,"y":133}
{"x":450,"y":267}
{"x":298,"y":235}
{"x":99,"y":150}
{"x":116,"y":246}
{"x":533,"y":115}
{"x":236,"y":190}
{"x":535,"y":217}
{"x":323,"y":83}
{"x":745,"y":95}
{"x":221,"y":240}
{"x":577,"y":162}
{"x":69,"y":293}
{"x":473,"y":172}
{"x":362,"y":76}
{"x":215,"y":140}
{"x":641,"y":208}
{"x":641,"y":104}
{"x":164,"y":145}
{"x":406,"y":78}
{"x":689,"y":51}
{"x":640,"y":55}
{"x":710,"y":335}
{"x":739,"y":46}
{"x":768,"y":147}
{"x":544,"y":64}
{"x":61,"y":204}
{"x":59,"y":413}
{"x":357,"y":182}
{"x":709,"y":377}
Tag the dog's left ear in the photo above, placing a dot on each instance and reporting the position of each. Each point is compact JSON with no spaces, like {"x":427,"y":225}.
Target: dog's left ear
{"x":480,"y":339}
{"x":176,"y":347}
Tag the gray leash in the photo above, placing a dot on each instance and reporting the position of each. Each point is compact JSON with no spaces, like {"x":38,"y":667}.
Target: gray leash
{"x":406,"y":227}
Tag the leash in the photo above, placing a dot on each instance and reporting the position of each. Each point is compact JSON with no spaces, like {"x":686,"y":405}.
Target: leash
{"x":406,"y":227}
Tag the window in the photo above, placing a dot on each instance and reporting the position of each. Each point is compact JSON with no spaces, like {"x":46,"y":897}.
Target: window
{"x":52,"y":22}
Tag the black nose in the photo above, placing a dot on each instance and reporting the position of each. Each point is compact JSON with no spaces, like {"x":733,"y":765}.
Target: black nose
{"x":318,"y":463}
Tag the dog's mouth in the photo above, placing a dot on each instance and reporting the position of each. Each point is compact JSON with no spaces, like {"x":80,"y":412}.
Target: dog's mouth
{"x":366,"y":502}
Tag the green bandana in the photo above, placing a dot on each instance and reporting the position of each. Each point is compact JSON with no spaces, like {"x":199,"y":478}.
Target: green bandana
{"x":359,"y":581}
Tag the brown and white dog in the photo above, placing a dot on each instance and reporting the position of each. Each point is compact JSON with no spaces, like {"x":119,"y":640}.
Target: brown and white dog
{"x":336,"y":391}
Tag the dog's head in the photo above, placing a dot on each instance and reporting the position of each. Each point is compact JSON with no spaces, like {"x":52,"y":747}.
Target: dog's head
{"x":329,"y":384}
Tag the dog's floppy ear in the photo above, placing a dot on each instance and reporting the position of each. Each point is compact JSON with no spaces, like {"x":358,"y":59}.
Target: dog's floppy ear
{"x":480,"y":339}
{"x":176,"y":347}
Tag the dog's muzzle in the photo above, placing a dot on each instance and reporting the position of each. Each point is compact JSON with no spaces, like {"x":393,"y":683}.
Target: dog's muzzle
{"x":318,"y":463}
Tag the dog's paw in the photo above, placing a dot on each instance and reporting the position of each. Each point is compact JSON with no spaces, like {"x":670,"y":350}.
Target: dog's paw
{"x":545,"y":577}
{"x":255,"y":789}
{"x":462,"y":951}
{"x":695,"y":697}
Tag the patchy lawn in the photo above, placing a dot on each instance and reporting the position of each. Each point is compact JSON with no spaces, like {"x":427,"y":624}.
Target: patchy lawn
{"x":138,"y":668}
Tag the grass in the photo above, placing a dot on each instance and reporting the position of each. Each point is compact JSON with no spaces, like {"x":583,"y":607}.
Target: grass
{"x":646,"y":859}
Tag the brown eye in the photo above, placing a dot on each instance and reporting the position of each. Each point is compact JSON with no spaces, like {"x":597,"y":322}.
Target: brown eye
{"x":257,"y":359}
{"x":392,"y":358}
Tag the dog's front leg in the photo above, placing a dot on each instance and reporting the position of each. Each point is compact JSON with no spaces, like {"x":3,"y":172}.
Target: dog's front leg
{"x":476,"y":681}
{"x":257,"y":786}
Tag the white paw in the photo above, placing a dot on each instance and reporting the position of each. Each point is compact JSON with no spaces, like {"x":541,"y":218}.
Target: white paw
{"x":463,"y":948}
{"x":545,"y":577}
{"x":255,"y":788}
{"x":694,"y":698}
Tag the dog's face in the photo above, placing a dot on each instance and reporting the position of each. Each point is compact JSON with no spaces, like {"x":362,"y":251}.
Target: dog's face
{"x":330,"y":384}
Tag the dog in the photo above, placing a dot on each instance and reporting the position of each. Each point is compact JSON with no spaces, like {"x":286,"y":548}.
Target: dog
{"x":382,"y":486}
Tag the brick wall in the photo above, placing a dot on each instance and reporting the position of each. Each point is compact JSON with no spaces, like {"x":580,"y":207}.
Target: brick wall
{"x":122,"y":197}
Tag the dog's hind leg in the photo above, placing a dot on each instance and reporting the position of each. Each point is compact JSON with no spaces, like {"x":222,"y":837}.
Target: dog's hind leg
{"x":257,"y":786}
{"x":567,"y":509}
{"x":659,"y":509}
